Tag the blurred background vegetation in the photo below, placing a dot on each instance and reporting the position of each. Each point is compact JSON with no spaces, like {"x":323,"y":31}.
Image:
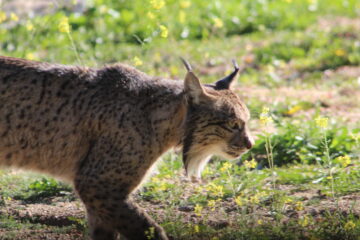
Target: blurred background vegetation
{"x":109,"y":31}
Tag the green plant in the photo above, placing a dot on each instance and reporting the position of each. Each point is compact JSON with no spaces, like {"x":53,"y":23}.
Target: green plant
{"x":43,"y":188}
{"x":298,"y":141}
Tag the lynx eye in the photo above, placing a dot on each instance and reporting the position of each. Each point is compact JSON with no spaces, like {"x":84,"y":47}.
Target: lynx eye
{"x":234,"y":125}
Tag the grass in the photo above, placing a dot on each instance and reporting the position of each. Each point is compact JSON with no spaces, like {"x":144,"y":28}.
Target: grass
{"x":18,"y":229}
{"x":298,"y":62}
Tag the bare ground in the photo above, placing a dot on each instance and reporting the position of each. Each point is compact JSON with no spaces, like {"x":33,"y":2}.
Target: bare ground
{"x":343,"y":103}
{"x":57,"y":214}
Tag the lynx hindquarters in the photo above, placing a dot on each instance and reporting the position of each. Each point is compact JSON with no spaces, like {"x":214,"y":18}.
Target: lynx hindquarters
{"x":103,"y":129}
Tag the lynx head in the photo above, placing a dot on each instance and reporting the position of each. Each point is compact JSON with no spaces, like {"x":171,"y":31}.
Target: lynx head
{"x":216,"y":124}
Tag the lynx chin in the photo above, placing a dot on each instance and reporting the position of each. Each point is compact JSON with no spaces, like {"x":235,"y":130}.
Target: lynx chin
{"x":102,"y":130}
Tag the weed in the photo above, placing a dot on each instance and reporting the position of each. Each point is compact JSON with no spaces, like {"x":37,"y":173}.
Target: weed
{"x":42,"y":189}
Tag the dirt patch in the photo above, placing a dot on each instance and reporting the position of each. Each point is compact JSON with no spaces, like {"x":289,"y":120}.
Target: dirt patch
{"x":343,"y":103}
{"x":40,"y":234}
{"x":55,"y":220}
{"x":40,"y":7}
{"x":227,"y":213}
{"x":329,"y":23}
{"x":56,"y":213}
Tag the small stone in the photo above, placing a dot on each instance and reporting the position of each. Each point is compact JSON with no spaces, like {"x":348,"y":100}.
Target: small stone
{"x":186,"y":208}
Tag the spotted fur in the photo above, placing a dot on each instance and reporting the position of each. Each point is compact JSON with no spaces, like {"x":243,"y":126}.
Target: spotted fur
{"x":103,"y":129}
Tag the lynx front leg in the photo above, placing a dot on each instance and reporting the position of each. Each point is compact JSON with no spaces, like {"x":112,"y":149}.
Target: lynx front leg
{"x":98,"y":229}
{"x":104,"y":184}
{"x":108,"y":214}
{"x":104,"y":181}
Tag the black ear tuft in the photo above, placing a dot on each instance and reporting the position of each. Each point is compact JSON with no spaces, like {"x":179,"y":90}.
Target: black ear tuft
{"x":226,"y":82}
{"x":186,"y":64}
{"x":193,"y":87}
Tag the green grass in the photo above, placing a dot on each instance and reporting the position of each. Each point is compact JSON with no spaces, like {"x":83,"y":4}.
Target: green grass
{"x":11,"y":228}
{"x":282,"y":45}
{"x":32,"y":187}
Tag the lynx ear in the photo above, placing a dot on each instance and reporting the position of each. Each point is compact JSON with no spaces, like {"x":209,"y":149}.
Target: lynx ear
{"x":193,"y":86}
{"x":227,"y":82}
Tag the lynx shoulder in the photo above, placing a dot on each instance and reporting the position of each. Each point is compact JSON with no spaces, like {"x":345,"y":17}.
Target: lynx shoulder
{"x":103,"y":129}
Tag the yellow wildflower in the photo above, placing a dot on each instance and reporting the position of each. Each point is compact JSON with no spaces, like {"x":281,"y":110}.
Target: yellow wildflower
{"x":261,"y":194}
{"x":215,"y":190}
{"x":29,"y":26}
{"x":2,"y":16}
{"x":253,"y":163}
{"x":155,"y":179}
{"x":349,"y":225}
{"x":207,"y":171}
{"x":322,"y":122}
{"x":250,"y":164}
{"x":218,"y":23}
{"x":182,"y":16}
{"x":254,"y":199}
{"x":260,"y":222}
{"x":264,"y":120}
{"x":304,"y":221}
{"x":199,"y":189}
{"x":211,"y":204}
{"x":163,"y":31}
{"x":329,"y":177}
{"x":299,"y":206}
{"x":174,"y":70}
{"x":103,"y":9}
{"x":14,"y":17}
{"x":137,"y":61}
{"x":64,"y":26}
{"x":226,"y":166}
{"x":343,"y":160}
{"x":30,"y":56}
{"x":185,"y":4}
{"x":157,"y":4}
{"x":288,"y":200}
{"x":247,"y":164}
{"x":151,"y":15}
{"x":294,"y":109}
{"x":356,"y":137}
{"x":264,"y":116}
{"x":239,"y":201}
{"x":340,"y":52}
{"x":196,"y":228}
{"x":265,"y":110}
{"x":162,"y":187}
{"x":157,"y":57}
{"x":198,"y":209}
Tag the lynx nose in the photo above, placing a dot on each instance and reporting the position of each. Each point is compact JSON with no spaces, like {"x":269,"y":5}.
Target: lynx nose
{"x":249,"y":142}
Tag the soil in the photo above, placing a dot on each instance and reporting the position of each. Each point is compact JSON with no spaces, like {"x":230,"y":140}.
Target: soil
{"x":57,"y":213}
